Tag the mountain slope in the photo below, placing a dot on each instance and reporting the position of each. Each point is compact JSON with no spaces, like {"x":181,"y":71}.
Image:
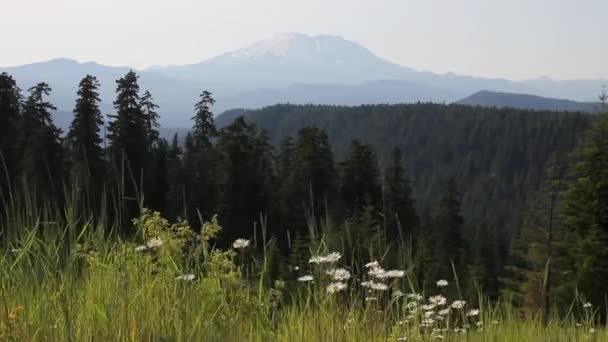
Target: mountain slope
{"x":498,"y":156}
{"x":524,"y":101}
{"x":292,"y":68}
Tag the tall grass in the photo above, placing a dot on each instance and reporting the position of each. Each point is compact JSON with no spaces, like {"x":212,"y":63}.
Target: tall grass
{"x":65,"y":277}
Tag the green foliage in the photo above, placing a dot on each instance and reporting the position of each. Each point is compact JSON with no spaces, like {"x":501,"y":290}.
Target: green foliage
{"x":399,"y":205}
{"x":585,"y":213}
{"x":85,"y":154}
{"x":360,"y":177}
{"x":10,"y":121}
{"x":41,"y":161}
{"x":204,"y":127}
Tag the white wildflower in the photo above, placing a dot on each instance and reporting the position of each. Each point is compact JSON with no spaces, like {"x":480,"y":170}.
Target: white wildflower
{"x":444,"y":312}
{"x":378,"y":286}
{"x":185,"y":277}
{"x":329,"y":258}
{"x":333,"y":257}
{"x":336,"y":287}
{"x":427,"y":322}
{"x":154,"y":242}
{"x":15,"y":250}
{"x":458,"y":304}
{"x":402,"y":339}
{"x":339,"y":274}
{"x":370,"y":299}
{"x":479,"y":324}
{"x":442,"y":283}
{"x":592,"y":331}
{"x":587,"y":305}
{"x":428,"y":307}
{"x":306,"y":278}
{"x":141,"y":248}
{"x":495,"y":322}
{"x":473,"y":313}
{"x":397,"y":294}
{"x":377,"y":272}
{"x":395,"y":274}
{"x":373,"y":264}
{"x":240,"y":243}
{"x":316,"y":259}
{"x":415,"y":296}
{"x":429,"y":314}
{"x":411,"y":305}
{"x":438,"y":300}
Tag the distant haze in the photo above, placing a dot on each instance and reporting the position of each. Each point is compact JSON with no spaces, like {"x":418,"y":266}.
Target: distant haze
{"x":513,"y":39}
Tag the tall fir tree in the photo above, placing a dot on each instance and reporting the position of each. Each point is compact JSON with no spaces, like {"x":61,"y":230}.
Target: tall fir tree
{"x":128,"y":145}
{"x":201,"y":163}
{"x":244,"y":195}
{"x":399,"y":205}
{"x":312,"y":185}
{"x":10,"y":122}
{"x":204,"y":127}
{"x":584,"y":213}
{"x":360,"y":179}
{"x":42,"y":160}
{"x":447,"y":239}
{"x":174,"y":206}
{"x":151,"y":117}
{"x":85,"y":154}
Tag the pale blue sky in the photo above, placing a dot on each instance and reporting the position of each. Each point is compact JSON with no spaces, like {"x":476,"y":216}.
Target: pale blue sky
{"x":516,"y":39}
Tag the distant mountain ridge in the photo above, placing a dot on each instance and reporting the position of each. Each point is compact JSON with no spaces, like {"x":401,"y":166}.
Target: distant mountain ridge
{"x":487,"y":98}
{"x":294,"y":68}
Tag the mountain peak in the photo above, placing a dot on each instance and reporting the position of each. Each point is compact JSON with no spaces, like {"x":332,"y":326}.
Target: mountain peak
{"x":305,"y":48}
{"x":277,"y":45}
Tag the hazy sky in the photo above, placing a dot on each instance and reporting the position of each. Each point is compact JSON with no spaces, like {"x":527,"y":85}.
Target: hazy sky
{"x":516,"y":39}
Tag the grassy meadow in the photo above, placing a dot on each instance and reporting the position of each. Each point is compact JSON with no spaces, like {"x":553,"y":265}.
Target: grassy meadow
{"x":64,"y":278}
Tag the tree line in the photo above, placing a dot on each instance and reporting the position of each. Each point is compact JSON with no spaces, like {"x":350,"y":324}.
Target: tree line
{"x":299,"y":193}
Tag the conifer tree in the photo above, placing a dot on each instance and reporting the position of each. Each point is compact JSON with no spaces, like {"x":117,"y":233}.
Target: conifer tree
{"x":42,"y":160}
{"x":148,"y":108}
{"x":201,"y":162}
{"x":127,"y":130}
{"x":244,"y":195}
{"x":85,"y":153}
{"x":399,"y":204}
{"x":448,"y":241}
{"x":312,"y":185}
{"x":128,"y":145}
{"x":360,"y":177}
{"x":204,"y":127}
{"x":585,"y":213}
{"x":10,"y":121}
{"x":174,"y":206}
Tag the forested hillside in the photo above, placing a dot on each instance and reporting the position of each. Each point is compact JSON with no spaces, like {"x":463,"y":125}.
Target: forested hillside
{"x":497,"y":156}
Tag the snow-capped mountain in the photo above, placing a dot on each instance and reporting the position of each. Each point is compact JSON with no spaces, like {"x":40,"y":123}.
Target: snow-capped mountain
{"x":291,"y":58}
{"x":294,"y":68}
